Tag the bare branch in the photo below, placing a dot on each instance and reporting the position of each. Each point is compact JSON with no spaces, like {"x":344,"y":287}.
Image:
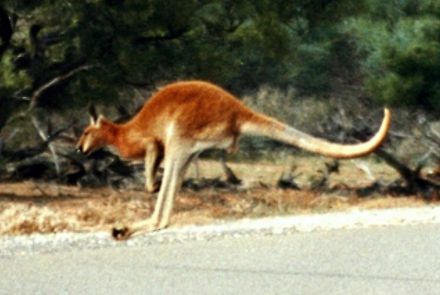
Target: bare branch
{"x":37,"y":93}
{"x":45,"y":138}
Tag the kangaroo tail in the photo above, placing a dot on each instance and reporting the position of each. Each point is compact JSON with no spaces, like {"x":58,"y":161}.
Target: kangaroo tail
{"x":259,"y":124}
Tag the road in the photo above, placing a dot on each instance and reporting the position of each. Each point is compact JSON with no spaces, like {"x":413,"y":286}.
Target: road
{"x":373,"y":260}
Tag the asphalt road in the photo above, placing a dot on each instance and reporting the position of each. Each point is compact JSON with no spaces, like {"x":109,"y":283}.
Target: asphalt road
{"x":376,"y":260}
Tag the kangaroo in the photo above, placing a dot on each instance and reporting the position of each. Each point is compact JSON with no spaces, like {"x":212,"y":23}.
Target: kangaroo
{"x":184,"y":118}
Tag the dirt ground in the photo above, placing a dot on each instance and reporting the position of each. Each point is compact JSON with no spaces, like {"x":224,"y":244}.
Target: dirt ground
{"x":30,"y":207}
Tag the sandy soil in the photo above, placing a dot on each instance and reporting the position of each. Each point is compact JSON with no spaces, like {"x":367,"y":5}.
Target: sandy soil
{"x":29,"y":207}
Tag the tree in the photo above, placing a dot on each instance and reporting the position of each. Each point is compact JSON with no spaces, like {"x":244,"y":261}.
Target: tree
{"x":99,"y":49}
{"x":400,"y":45}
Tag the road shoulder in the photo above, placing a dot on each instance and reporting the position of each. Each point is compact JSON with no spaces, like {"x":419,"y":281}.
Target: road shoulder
{"x":354,"y":219}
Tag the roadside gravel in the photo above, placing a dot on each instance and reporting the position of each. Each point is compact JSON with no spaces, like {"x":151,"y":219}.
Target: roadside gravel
{"x":354,"y":219}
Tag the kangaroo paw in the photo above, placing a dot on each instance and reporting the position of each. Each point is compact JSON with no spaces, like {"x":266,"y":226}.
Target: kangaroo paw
{"x":121,"y":233}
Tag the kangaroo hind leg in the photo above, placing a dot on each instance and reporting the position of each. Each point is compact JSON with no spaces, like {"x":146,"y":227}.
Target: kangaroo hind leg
{"x":153,"y":157}
{"x":174,"y":169}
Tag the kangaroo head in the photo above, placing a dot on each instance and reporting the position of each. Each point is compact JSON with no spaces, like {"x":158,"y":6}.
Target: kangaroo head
{"x":96,"y":135}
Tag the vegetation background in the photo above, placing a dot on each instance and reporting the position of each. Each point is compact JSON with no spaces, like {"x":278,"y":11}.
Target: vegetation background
{"x":327,"y":67}
{"x":324,"y":66}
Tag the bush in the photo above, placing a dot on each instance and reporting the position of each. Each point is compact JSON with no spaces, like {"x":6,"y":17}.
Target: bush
{"x":401,"y":60}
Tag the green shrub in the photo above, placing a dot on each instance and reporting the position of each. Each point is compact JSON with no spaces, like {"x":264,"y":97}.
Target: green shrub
{"x":401,"y":59}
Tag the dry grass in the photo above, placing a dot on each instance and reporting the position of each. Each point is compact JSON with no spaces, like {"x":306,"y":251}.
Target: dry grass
{"x":30,"y":207}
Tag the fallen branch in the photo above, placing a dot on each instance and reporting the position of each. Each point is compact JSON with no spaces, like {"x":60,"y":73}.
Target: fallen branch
{"x":18,"y":155}
{"x":413,"y":180}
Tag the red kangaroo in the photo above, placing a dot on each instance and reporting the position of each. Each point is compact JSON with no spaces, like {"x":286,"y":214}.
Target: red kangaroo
{"x":185,"y":118}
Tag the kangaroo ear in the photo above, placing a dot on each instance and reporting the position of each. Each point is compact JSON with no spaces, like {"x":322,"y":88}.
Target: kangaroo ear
{"x":99,"y":121}
{"x":93,"y":114}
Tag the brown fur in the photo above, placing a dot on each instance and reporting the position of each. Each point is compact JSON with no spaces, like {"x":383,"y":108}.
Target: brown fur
{"x":184,"y":118}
